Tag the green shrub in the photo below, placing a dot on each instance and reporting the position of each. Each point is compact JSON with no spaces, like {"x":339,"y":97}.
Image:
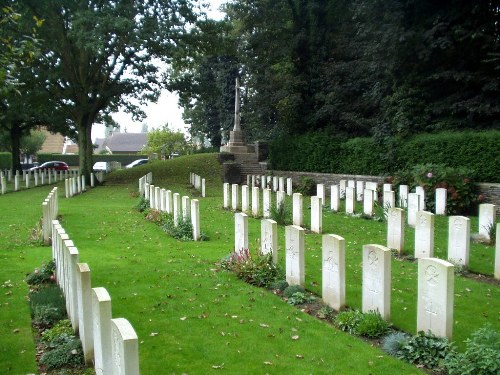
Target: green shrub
{"x":482,"y":354}
{"x":348,"y":321}
{"x":425,"y":349}
{"x":292,"y":289}
{"x":306,"y":186}
{"x":45,"y":316}
{"x":461,"y":197}
{"x":143,"y":204}
{"x":394,"y":341}
{"x":64,"y":351}
{"x":325,"y":312}
{"x":62,"y":327}
{"x":182,"y":231}
{"x":298,"y":298}
{"x":372,"y":325}
{"x":47,"y":306}
{"x":41,"y":275}
{"x":281,"y":214}
{"x":280,"y":285}
{"x":257,"y":270}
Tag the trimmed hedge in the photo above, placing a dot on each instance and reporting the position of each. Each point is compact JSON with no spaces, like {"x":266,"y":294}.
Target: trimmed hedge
{"x":5,"y":160}
{"x":73,"y":160}
{"x":323,"y":153}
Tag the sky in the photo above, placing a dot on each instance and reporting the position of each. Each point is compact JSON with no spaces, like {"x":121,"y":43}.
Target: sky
{"x":166,"y":110}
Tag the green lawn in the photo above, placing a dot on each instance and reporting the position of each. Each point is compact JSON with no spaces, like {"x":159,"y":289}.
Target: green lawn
{"x":191,"y":318}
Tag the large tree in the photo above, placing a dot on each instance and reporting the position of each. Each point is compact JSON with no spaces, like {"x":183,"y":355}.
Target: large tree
{"x":98,"y":56}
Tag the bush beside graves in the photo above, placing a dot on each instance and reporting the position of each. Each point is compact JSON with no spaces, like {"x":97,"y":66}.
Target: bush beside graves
{"x":323,"y":153}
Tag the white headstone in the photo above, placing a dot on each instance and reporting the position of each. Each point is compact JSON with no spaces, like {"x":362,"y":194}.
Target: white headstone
{"x":334,"y":198}
{"x":403,"y":196}
{"x":255,"y":201}
{"x":316,"y":215}
{"x":85,"y":311}
{"x":124,"y":347}
{"x":195,"y":219}
{"x":16,"y":182}
{"x":435,"y":297}
{"x":487,"y":218}
{"x":349,"y":200}
{"x":342,"y":186}
{"x":359,"y":190}
{"x":235,"y":197}
{"x":289,"y":187}
{"x":421,"y":197}
{"x":177,"y":208}
{"x":413,"y":208}
{"x":266,"y":203}
{"x":186,"y":207}
{"x":458,"y":240}
{"x":441,"y":194}
{"x":351,"y":184}
{"x":101,"y":317}
{"x":225,"y":189}
{"x":269,"y":238}
{"x":281,"y":184}
{"x":396,"y":229}
{"x":297,"y":209}
{"x":280,"y":198}
{"x":275,"y":183}
{"x":424,"y":235}
{"x":368,"y":202}
{"x":163,"y":200}
{"x":320,"y":192}
{"x":169,"y":203}
{"x":333,"y":271}
{"x":203,"y":189}
{"x":389,"y":199}
{"x":294,"y":246}
{"x":245,"y":198}
{"x":240,"y":232}
{"x":387,"y":187}
{"x":376,"y":291}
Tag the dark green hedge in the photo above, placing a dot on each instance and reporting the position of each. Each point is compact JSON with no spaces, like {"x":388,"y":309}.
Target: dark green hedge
{"x":5,"y":160}
{"x":320,"y":152}
{"x":72,"y":160}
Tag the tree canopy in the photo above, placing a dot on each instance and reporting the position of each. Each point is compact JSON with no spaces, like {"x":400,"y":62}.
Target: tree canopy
{"x":98,"y":56}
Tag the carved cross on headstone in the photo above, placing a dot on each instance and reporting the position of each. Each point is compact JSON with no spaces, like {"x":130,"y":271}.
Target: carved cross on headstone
{"x":332,"y":266}
{"x":293,"y":253}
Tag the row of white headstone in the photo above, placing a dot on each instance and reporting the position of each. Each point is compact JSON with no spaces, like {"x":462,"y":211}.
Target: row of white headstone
{"x":197,"y":182}
{"x":50,"y":207}
{"x":435,"y":276}
{"x":274,"y":183}
{"x":146,"y":179}
{"x":39,"y":178}
{"x":110,"y":344}
{"x":165,"y":201}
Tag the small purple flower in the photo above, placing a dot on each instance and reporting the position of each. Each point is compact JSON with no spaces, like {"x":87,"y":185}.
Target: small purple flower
{"x":429,"y":175}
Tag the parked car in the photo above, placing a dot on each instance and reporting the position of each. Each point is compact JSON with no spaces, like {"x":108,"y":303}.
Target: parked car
{"x":136,"y":163}
{"x":100,"y":166}
{"x":52,"y":165}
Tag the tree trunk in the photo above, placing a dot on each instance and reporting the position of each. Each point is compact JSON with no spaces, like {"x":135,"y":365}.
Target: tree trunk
{"x":85,"y":147}
{"x":15,"y":140}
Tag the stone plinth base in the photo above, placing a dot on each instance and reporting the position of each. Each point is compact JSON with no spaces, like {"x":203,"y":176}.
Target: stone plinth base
{"x":233,"y":149}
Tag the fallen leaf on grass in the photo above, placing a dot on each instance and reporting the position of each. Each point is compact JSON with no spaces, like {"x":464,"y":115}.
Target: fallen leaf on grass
{"x":153,"y":334}
{"x":295,"y":337}
{"x":183,"y":318}
{"x":268,"y":363}
{"x":218,"y":366}
{"x":263,"y":325}
{"x":299,"y":356}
